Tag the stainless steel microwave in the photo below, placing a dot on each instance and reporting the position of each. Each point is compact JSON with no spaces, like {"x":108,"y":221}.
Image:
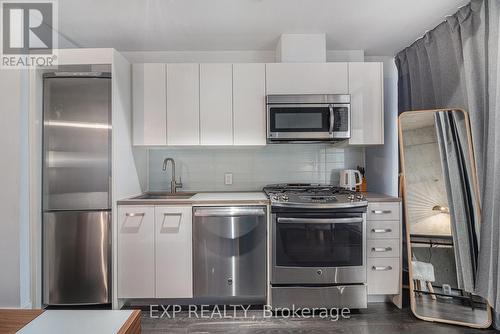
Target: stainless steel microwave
{"x":309,"y":117}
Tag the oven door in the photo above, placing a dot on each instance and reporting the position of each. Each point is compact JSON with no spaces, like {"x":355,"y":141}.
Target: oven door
{"x":319,"y":249}
{"x":308,"y":121}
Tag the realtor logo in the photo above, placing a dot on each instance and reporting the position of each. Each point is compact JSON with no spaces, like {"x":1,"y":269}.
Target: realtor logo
{"x":28,"y":33}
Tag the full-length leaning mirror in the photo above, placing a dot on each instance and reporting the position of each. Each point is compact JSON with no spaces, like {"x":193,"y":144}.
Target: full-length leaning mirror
{"x":442,"y":210}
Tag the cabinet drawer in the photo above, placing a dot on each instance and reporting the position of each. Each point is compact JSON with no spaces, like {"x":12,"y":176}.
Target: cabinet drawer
{"x":383,"y":211}
{"x":382,"y":248}
{"x":382,"y":230}
{"x":383,"y":276}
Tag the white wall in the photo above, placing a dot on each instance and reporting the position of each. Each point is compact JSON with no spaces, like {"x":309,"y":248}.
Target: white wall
{"x":24,"y":195}
{"x":382,"y":161}
{"x":203,"y":169}
{"x":14,"y":246}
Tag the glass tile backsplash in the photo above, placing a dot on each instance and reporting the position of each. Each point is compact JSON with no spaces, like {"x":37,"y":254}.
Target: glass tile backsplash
{"x":203,"y":169}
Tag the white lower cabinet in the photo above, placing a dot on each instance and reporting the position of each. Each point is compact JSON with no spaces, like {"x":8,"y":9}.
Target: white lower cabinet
{"x":136,"y":253}
{"x":383,"y":246}
{"x":173,"y":249}
{"x":154,"y":252}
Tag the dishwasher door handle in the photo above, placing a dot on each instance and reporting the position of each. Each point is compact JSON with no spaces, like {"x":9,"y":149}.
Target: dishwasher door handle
{"x":229,"y":211}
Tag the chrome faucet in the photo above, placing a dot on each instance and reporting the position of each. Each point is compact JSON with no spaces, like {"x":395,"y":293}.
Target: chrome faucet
{"x":173,"y":183}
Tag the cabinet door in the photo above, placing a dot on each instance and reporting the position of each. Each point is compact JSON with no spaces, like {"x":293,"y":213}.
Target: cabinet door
{"x":149,"y":104}
{"x":216,"y":111}
{"x":366,"y":87}
{"x":249,"y":106}
{"x":306,"y":78}
{"x":183,"y":104}
{"x":136,"y":266}
{"x":173,"y":252}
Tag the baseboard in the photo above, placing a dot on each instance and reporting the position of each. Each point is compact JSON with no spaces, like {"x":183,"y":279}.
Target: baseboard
{"x":27,"y":305}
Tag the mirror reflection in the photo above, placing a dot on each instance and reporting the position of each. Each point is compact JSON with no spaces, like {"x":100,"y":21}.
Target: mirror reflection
{"x":442,"y":216}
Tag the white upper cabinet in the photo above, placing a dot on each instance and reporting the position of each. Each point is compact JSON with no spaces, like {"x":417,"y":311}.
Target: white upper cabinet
{"x":183,"y":104}
{"x":224,"y":104}
{"x":310,"y":78}
{"x":149,"y":104}
{"x":216,"y":109}
{"x":173,"y":235}
{"x":366,"y":86}
{"x":249,"y":105}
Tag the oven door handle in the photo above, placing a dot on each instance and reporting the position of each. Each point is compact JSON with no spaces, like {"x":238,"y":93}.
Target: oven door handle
{"x":320,"y":220}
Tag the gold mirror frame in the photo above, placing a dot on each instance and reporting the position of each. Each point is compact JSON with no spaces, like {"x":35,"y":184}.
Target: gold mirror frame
{"x":404,"y":198}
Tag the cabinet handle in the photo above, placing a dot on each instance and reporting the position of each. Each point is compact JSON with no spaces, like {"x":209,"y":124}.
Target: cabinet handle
{"x":381,"y":249}
{"x":169,"y":228}
{"x":381,"y":212}
{"x":379,"y":268}
{"x":381,"y":230}
{"x":135,"y":214}
{"x":132,"y":225}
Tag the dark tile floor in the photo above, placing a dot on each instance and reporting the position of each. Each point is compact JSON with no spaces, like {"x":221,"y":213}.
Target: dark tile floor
{"x":378,"y":318}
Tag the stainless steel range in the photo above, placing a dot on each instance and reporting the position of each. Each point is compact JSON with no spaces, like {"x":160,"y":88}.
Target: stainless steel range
{"x":318,"y":246}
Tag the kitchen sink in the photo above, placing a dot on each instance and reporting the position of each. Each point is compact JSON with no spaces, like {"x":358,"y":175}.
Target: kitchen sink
{"x":164,"y":195}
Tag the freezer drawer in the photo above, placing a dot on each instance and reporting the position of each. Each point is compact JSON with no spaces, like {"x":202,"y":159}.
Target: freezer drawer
{"x":229,"y":253}
{"x":76,"y":257}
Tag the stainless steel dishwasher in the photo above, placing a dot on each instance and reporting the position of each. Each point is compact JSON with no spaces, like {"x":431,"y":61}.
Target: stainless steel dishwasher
{"x":229,"y":254}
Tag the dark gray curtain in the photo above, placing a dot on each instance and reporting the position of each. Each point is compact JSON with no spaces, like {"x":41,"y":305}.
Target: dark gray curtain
{"x":456,"y":65}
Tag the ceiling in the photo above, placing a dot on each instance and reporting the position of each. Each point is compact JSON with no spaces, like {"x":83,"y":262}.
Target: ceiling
{"x":381,"y":27}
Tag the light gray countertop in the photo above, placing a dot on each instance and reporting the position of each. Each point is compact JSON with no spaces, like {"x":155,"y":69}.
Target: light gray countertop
{"x":237,"y":197}
{"x":377,"y":197}
{"x":206,"y":198}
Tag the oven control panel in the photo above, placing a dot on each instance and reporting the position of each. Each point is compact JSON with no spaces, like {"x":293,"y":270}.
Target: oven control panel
{"x":300,"y":200}
{"x":318,"y":199}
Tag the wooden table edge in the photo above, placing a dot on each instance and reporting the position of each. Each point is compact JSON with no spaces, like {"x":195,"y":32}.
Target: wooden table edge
{"x":16,"y":319}
{"x":133,"y":324}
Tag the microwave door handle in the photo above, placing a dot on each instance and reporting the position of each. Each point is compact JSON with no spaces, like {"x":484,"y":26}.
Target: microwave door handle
{"x":332,"y":120}
{"x":319,"y":220}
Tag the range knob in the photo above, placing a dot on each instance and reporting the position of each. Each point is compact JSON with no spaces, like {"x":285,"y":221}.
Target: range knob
{"x":350,"y":197}
{"x":360,"y":197}
{"x":284,"y":197}
{"x":275,"y":197}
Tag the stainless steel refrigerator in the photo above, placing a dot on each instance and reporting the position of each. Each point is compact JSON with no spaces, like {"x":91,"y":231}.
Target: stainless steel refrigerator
{"x":76,"y":195}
